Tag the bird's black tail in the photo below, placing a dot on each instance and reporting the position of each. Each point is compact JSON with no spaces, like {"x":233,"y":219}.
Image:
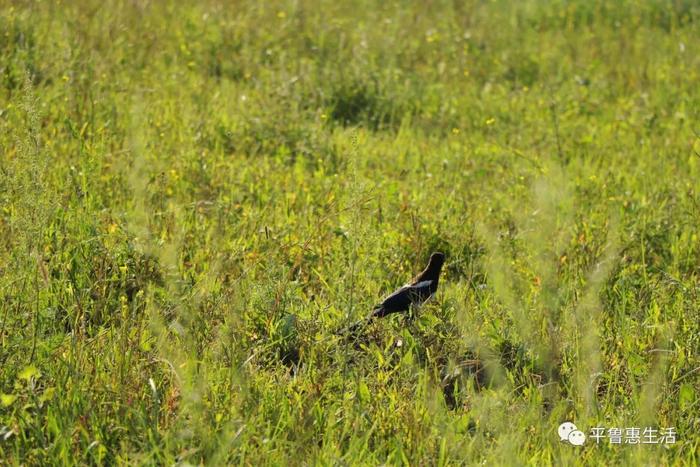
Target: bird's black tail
{"x":379,"y":312}
{"x":354,"y":329}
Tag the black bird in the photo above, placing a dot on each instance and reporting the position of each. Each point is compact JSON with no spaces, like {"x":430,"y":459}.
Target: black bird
{"x":415,"y":293}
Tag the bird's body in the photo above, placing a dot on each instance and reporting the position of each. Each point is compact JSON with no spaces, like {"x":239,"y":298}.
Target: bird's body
{"x":415,"y":293}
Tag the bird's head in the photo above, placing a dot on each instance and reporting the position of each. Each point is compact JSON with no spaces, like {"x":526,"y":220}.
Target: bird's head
{"x":437,"y":259}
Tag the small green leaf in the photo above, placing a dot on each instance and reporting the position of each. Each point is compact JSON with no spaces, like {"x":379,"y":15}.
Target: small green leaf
{"x":29,"y":372}
{"x":6,"y":400}
{"x":363,"y":392}
{"x":145,"y":341}
{"x":686,"y":395}
{"x":288,"y":327}
{"x":48,"y":394}
{"x":379,"y":356}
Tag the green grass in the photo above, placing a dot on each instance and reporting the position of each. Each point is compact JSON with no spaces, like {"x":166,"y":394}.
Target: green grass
{"x":195,"y":195}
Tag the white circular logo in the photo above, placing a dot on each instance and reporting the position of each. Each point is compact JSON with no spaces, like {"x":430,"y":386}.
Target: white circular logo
{"x":565,"y":429}
{"x":577,"y":438}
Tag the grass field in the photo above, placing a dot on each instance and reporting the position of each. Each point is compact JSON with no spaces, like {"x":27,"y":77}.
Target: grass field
{"x":194,"y":197}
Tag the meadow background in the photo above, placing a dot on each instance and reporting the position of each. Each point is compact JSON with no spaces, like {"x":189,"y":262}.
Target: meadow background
{"x":195,"y":195}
